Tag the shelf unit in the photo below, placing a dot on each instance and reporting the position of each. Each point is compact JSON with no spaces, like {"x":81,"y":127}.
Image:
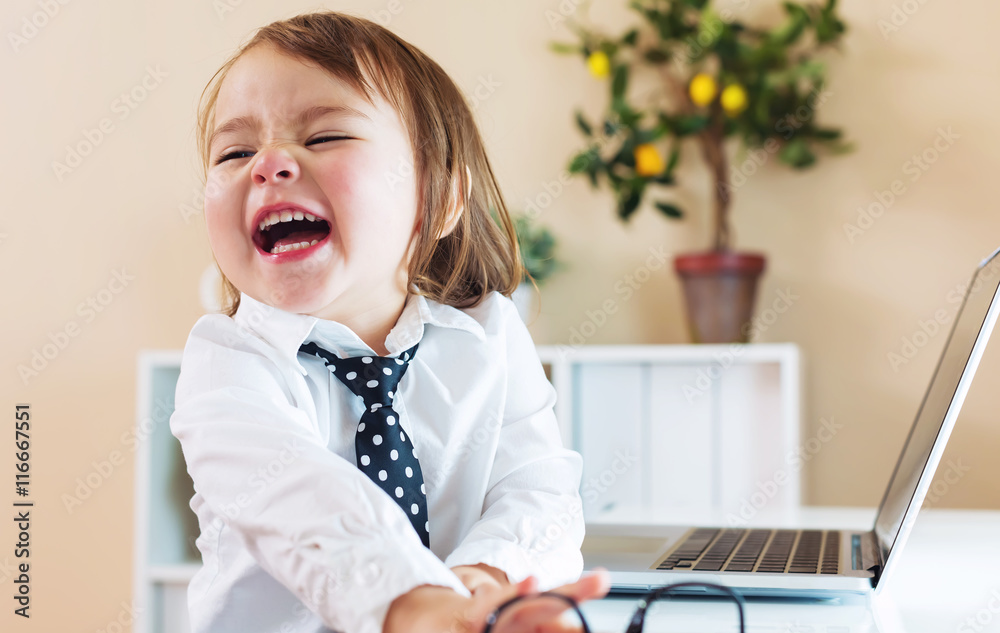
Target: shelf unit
{"x":702,"y":427}
{"x":165,"y":557}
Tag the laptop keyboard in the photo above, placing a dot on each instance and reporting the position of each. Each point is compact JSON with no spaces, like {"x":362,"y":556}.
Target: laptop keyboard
{"x":748,"y":550}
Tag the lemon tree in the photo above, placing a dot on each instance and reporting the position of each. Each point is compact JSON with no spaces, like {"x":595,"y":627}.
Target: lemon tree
{"x":717,"y":78}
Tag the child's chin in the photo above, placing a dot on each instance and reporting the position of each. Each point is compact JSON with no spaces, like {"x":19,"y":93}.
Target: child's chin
{"x":300,"y":303}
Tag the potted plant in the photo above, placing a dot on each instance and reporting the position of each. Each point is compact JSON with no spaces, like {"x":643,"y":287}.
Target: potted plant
{"x":716,"y":78}
{"x":536,"y":246}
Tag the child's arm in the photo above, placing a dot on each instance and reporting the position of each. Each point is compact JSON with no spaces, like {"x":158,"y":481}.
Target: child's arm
{"x":532,"y":519}
{"x":311,"y":519}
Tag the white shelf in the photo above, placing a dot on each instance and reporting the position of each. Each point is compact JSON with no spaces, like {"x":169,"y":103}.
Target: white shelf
{"x":182,"y":573}
{"x":165,"y":557}
{"x":691,"y":354}
{"x":702,"y":427}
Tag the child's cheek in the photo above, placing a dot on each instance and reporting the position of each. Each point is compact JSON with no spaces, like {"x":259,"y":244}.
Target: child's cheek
{"x":221,"y":217}
{"x":216,"y":186}
{"x":339,"y":180}
{"x":221,"y":196}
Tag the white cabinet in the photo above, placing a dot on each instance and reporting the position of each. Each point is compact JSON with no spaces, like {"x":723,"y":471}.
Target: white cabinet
{"x":685,"y":428}
{"x":672,"y":428}
{"x":165,"y":556}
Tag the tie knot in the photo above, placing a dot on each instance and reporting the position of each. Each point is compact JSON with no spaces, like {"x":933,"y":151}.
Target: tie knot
{"x":374,"y":378}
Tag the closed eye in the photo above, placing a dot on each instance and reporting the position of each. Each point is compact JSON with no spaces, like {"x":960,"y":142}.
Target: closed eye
{"x":323,"y":139}
{"x":238,"y":154}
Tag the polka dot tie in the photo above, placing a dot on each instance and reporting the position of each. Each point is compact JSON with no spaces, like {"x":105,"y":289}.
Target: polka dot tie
{"x":384,"y":452}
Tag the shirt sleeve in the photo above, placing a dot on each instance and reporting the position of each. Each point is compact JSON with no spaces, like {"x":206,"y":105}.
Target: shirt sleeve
{"x":532,"y":521}
{"x":310,"y":518}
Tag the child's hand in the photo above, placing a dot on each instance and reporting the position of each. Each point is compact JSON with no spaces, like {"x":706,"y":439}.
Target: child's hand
{"x":476,"y":576}
{"x":433,"y":609}
{"x":523,"y":617}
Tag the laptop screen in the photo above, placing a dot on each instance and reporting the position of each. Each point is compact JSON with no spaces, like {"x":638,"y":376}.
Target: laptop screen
{"x":939,"y":408}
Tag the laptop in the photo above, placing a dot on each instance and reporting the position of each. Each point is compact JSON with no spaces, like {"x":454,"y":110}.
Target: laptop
{"x":818,"y":563}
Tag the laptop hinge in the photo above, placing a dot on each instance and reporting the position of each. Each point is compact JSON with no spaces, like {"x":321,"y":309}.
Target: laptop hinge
{"x":866,"y":548}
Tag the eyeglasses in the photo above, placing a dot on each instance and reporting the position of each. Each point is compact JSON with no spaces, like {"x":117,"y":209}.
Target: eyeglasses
{"x":547,"y":605}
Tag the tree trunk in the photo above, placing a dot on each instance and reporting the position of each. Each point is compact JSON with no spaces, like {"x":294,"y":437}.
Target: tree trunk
{"x":713,"y":150}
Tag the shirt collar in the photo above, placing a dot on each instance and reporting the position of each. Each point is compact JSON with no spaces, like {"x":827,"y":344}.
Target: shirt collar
{"x":287,"y":331}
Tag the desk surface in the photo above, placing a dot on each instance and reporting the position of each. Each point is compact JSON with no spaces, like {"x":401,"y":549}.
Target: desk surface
{"x":916,"y":599}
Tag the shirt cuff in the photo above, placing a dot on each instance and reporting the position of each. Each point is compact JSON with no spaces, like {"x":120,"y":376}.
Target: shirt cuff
{"x":390,"y":571}
{"x":558,"y":569}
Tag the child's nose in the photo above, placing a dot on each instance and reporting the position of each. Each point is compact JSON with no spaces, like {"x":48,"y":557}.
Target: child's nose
{"x":274,"y":165}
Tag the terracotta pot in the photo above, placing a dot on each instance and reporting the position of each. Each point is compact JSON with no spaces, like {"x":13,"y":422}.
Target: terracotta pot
{"x":719,"y":290}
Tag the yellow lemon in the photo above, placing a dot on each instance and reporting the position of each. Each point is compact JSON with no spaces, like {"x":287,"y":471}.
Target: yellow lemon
{"x":733,"y":99}
{"x":599,"y":64}
{"x":648,"y":161}
{"x":702,"y":89}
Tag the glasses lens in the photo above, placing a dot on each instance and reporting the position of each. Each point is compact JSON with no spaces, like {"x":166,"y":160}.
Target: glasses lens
{"x":539,"y":613}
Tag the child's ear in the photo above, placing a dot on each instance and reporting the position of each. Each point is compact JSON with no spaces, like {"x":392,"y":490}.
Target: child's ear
{"x":457,"y":206}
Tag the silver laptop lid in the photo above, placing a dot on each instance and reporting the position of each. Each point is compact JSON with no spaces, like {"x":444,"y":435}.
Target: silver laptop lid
{"x":937,"y":413}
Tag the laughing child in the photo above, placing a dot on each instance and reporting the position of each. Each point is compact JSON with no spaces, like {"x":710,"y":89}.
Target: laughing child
{"x":348,"y":205}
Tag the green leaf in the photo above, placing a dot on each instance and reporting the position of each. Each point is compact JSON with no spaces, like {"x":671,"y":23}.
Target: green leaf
{"x":664,"y":25}
{"x":648,"y":136}
{"x":795,"y":11}
{"x":583,"y":125}
{"x":692,"y":124}
{"x":629,"y":202}
{"x":670,"y":210}
{"x":627,"y":117}
{"x":710,"y":27}
{"x":797,"y":154}
{"x":564,"y":48}
{"x":798,"y":19}
{"x":826,"y":134}
{"x":614,"y":179}
{"x":810,"y":69}
{"x":620,"y":82}
{"x":664,"y":178}
{"x":828,"y":27}
{"x":675,"y":156}
{"x":840,"y":147}
{"x":630,"y":37}
{"x":585,"y":161}
{"x":656,"y":56}
{"x":626,"y":154}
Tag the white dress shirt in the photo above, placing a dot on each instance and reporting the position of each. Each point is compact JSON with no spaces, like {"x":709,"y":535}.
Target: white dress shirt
{"x":295,"y":537}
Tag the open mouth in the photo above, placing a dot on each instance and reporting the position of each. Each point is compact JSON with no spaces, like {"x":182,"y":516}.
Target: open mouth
{"x":289,"y":230}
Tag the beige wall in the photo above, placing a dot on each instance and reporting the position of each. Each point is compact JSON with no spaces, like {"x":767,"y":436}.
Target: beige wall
{"x":62,"y":240}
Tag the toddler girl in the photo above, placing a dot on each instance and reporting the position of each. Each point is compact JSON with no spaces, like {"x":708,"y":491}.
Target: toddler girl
{"x":368,"y":427}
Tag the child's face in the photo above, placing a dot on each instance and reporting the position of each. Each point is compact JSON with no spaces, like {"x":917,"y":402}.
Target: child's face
{"x":354,"y":172}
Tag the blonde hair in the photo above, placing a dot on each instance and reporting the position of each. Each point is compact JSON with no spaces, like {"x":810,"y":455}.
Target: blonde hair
{"x":477,"y":256}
